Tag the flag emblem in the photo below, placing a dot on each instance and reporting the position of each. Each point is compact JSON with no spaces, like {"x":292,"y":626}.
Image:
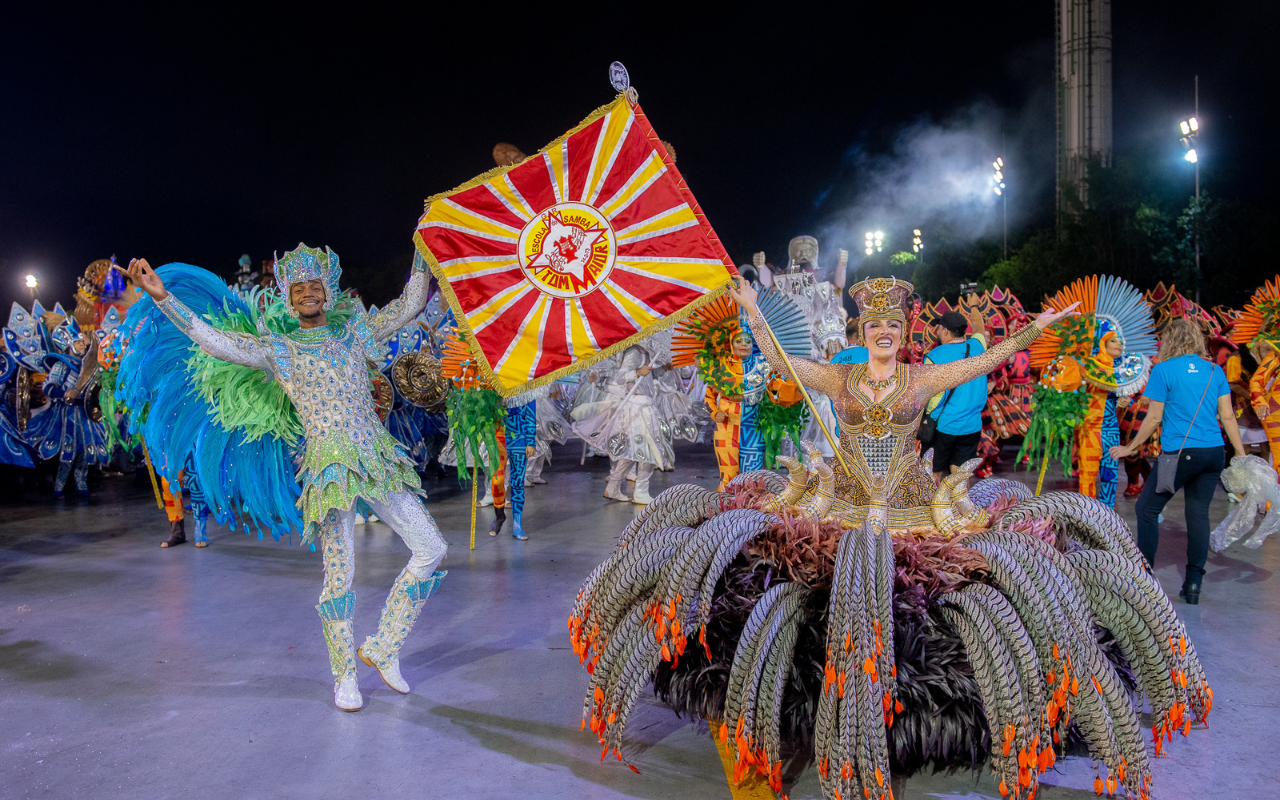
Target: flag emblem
{"x":559,"y":261}
{"x":568,"y":250}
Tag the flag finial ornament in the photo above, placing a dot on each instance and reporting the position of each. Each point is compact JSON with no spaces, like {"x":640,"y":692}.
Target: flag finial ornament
{"x":619,"y":78}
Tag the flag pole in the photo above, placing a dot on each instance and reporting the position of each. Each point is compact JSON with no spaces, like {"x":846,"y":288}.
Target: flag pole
{"x":155,"y":487}
{"x":473,"y":506}
{"x":835,"y":446}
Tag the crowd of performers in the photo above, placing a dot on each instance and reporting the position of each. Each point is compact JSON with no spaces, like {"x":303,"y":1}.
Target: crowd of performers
{"x":949,"y":625}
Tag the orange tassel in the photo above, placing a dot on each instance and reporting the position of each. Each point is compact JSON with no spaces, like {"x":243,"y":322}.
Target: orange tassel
{"x":1097,"y":786}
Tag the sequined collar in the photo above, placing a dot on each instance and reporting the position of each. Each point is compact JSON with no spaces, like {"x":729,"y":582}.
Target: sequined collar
{"x":312,"y":335}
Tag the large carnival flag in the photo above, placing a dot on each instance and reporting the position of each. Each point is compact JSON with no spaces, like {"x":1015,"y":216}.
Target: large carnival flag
{"x":573,"y":254}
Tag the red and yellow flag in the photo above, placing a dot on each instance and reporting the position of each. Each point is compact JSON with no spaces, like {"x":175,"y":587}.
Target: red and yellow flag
{"x":573,"y":254}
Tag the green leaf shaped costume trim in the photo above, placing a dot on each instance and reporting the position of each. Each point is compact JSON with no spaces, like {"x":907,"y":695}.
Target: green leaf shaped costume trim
{"x":1055,"y":416}
{"x":776,"y":422}
{"x":474,"y":415}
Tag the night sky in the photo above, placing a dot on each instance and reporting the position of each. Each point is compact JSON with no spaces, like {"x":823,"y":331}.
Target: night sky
{"x":200,"y":135}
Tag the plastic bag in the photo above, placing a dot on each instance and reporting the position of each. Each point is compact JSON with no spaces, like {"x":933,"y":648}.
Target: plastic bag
{"x":1256,"y":480}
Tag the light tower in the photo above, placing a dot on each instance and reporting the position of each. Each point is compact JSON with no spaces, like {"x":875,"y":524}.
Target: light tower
{"x":1190,"y":129}
{"x":997,"y":184}
{"x":874,"y":242}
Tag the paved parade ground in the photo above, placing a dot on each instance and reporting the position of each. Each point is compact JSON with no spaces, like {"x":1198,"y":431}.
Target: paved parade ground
{"x":131,"y":671}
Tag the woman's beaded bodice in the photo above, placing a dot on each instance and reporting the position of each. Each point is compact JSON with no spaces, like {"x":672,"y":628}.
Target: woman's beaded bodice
{"x":877,"y":437}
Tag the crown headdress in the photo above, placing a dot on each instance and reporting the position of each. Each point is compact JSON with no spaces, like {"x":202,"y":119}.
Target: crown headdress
{"x":881,"y":298}
{"x":304,"y":264}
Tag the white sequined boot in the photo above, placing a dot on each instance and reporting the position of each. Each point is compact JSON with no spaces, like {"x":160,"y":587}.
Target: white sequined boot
{"x":335,"y":616}
{"x":382,"y":649}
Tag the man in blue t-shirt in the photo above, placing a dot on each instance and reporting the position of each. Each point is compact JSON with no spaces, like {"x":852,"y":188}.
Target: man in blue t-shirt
{"x":958,"y":411}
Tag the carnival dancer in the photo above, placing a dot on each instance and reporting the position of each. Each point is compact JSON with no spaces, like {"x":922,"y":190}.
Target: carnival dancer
{"x":349,"y":455}
{"x":857,"y":584}
{"x":623,"y":423}
{"x":551,"y":427}
{"x":521,"y":429}
{"x":1099,"y":472}
{"x":753,"y":408}
{"x":819,"y":300}
{"x":14,"y":449}
{"x":1094,"y":362}
{"x":64,"y":427}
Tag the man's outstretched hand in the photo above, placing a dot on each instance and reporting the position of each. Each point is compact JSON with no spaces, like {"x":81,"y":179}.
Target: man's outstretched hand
{"x":145,"y":278}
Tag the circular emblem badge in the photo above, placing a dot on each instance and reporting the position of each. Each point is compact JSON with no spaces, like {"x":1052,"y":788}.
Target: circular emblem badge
{"x":567,"y":250}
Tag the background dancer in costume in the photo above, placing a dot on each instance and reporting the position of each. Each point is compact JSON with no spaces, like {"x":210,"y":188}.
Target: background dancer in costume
{"x":820,"y":302}
{"x":1099,"y":472}
{"x":64,"y":428}
{"x":14,"y":449}
{"x":753,"y":408}
{"x":624,"y":423}
{"x":551,"y":427}
{"x":521,"y":428}
{"x":349,"y":454}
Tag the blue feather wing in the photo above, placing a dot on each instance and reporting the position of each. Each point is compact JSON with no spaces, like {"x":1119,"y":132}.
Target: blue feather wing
{"x":254,"y":480}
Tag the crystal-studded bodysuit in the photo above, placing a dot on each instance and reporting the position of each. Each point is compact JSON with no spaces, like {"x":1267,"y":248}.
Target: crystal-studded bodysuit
{"x":349,"y":454}
{"x":877,"y":438}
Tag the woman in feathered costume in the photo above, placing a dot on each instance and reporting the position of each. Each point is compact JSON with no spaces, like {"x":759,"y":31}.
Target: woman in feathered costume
{"x":321,"y":366}
{"x":1102,"y":357}
{"x":877,"y":624}
{"x":740,"y":384}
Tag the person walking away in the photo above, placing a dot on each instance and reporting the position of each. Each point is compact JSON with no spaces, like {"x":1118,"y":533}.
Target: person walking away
{"x":1190,"y":396}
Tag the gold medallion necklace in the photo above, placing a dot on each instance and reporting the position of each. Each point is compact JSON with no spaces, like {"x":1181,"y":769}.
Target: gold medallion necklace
{"x":880,"y":384}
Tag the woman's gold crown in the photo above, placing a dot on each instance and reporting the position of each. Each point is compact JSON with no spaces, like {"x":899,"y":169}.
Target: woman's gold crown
{"x":881,"y":298}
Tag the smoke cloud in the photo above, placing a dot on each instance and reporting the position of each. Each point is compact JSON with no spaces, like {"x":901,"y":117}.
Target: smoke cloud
{"x":937,"y":176}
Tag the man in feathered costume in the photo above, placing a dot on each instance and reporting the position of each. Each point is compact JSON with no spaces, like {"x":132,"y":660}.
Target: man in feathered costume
{"x":349,"y":456}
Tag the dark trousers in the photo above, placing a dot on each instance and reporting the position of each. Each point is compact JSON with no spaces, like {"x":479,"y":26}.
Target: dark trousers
{"x":1197,"y":477}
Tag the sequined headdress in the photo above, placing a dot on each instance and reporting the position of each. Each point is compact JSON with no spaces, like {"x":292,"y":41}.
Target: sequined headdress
{"x":882,"y":298}
{"x":304,"y":264}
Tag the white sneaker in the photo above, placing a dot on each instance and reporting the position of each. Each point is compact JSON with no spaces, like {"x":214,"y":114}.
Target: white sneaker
{"x":346,"y":695}
{"x":614,"y":492}
{"x":641,"y":497}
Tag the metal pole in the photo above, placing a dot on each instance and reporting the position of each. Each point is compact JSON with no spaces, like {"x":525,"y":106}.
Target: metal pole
{"x":1004,"y":196}
{"x":1196,"y":221}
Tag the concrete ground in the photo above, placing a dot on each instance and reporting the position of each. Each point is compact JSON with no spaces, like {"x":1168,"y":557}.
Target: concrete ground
{"x":131,"y":671}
